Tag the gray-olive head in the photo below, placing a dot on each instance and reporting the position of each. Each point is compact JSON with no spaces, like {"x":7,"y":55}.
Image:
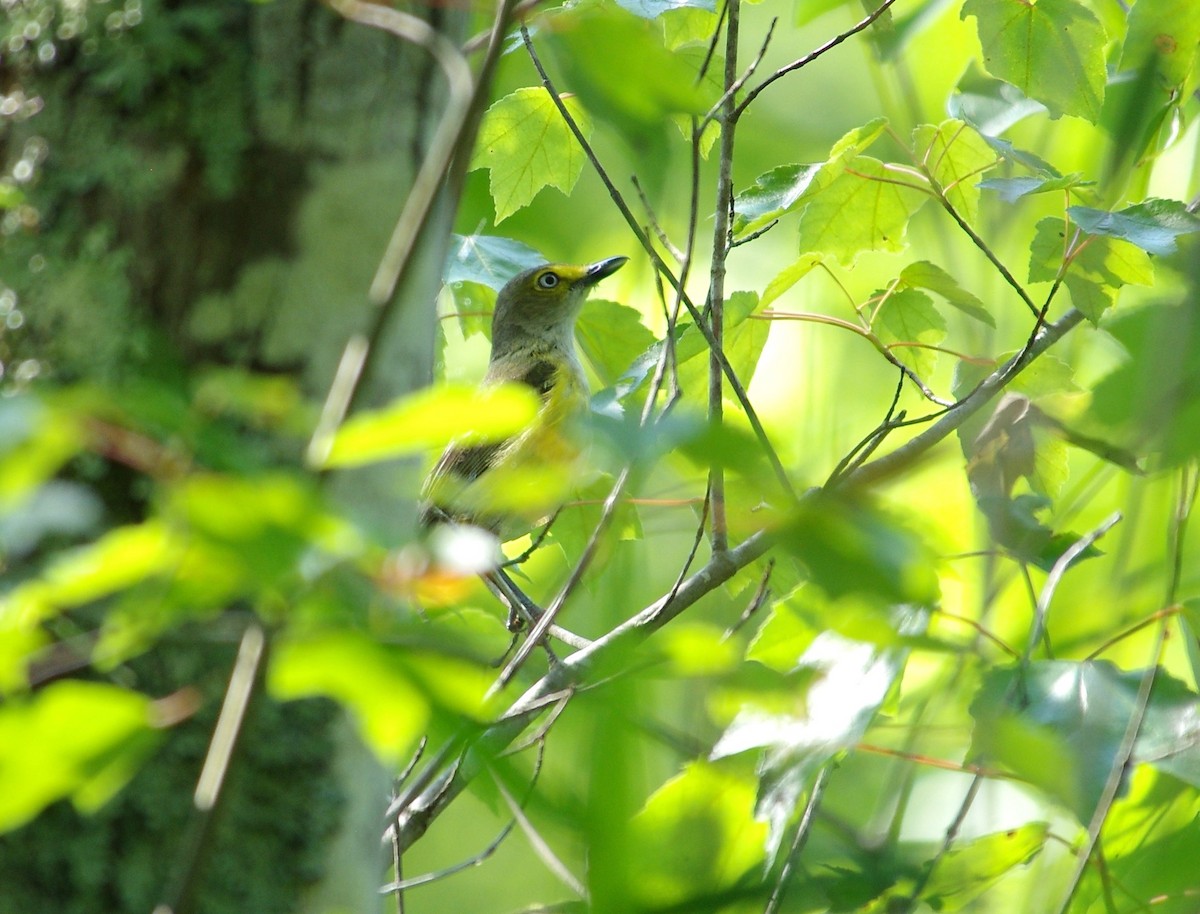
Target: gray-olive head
{"x":543,"y":300}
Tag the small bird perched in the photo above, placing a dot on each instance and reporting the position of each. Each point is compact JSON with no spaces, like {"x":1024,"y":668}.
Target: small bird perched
{"x":533,"y":343}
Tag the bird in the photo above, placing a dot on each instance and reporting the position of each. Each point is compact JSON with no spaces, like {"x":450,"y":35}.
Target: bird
{"x":533,"y":343}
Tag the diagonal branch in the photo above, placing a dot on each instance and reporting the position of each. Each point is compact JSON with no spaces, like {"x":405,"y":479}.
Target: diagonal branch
{"x":735,"y":384}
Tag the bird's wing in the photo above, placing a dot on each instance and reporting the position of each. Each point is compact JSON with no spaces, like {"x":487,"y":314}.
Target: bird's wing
{"x":465,"y":463}
{"x":538,"y":374}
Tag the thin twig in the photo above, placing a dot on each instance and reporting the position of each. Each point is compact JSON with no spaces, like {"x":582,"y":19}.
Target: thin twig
{"x":723,"y":106}
{"x":798,"y":840}
{"x":723,"y":208}
{"x":858,"y":454}
{"x":894,"y":461}
{"x":983,"y":246}
{"x":180,"y":895}
{"x":540,"y":846}
{"x":1055,"y":576}
{"x":761,"y":595}
{"x":810,"y":57}
{"x":735,"y":383}
{"x":421,"y":809}
{"x":441,"y":172}
{"x":654,"y":223}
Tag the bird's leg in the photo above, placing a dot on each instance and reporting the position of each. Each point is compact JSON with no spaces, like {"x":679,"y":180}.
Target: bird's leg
{"x":523,"y":612}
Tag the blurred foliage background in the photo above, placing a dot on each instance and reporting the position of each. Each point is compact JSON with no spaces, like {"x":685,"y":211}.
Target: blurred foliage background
{"x":957,"y":672}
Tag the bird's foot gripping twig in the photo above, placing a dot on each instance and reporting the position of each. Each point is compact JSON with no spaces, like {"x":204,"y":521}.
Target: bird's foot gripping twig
{"x":523,"y":612}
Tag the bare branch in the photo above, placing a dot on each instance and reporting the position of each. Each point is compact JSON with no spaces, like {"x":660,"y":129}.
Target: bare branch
{"x":811,"y":56}
{"x":701,"y":324}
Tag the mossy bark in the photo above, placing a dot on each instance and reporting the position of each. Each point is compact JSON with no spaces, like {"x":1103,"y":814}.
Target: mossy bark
{"x":213,"y":184}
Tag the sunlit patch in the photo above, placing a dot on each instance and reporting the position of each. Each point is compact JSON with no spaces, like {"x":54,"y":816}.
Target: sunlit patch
{"x":443,"y":571}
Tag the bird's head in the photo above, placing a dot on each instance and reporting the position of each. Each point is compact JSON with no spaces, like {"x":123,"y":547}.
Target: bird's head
{"x":540,"y":301}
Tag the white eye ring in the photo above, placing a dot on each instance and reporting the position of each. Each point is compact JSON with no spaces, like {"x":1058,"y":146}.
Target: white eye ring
{"x":547,"y":280}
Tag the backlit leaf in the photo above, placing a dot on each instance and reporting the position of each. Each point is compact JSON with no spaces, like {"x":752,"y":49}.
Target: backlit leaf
{"x":1052,"y":50}
{"x":1152,"y":225}
{"x":925,"y":275}
{"x":76,"y":740}
{"x":1095,"y":274}
{"x":488,"y":260}
{"x":971,"y":867}
{"x":1079,"y":713}
{"x":789,"y":276}
{"x":391,"y":692}
{"x":611,"y":337}
{"x":781,"y":189}
{"x":1167,"y":32}
{"x":526,"y":145}
{"x":955,"y":156}
{"x":850,"y":682}
{"x":991,"y":105}
{"x":908,"y":324}
{"x":863,"y":209}
{"x":695,"y":836}
{"x":432,"y":419}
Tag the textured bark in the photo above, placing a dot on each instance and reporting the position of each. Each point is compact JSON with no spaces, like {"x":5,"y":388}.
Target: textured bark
{"x":218,"y":183}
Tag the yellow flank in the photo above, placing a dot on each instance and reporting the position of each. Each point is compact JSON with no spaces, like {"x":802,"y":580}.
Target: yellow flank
{"x":510,"y":485}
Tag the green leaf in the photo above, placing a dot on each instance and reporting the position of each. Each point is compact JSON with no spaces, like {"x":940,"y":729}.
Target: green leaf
{"x":1059,"y":725}
{"x":526,"y":145}
{"x":685,"y":26}
{"x":772,"y":194}
{"x":652,"y":9}
{"x":1012,"y":189}
{"x":955,"y":156}
{"x":694,"y":838}
{"x":1152,"y":225}
{"x":908,"y":317}
{"x":863,"y":209}
{"x":116,"y":561}
{"x":391,"y":692}
{"x":851,"y":547}
{"x":1052,"y":50}
{"x":782,"y":639}
{"x":789,"y":276}
{"x":1022,"y":157}
{"x":488,"y":260}
{"x":76,"y":740}
{"x":35,"y":441}
{"x":851,"y":681}
{"x":782,"y":189}
{"x":991,"y":105}
{"x":925,"y":275}
{"x":1097,"y":271}
{"x":971,"y":867}
{"x":611,"y":337}
{"x":745,"y":336}
{"x":697,"y":649}
{"x":1149,"y":402}
{"x":256,"y":526}
{"x":623,"y":73}
{"x":1167,"y":32}
{"x":1157,"y":857}
{"x":432,"y":419}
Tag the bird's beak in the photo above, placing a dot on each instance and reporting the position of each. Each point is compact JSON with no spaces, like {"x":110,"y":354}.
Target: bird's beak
{"x":594,"y":272}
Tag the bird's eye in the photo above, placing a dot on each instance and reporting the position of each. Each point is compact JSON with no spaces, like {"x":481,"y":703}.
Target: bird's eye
{"x":547,"y":280}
